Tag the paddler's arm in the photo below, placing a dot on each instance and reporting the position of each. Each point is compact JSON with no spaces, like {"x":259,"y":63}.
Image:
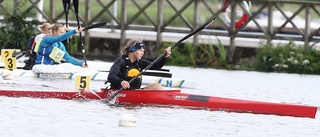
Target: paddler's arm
{"x":115,"y":70}
{"x":159,"y":64}
{"x":67,"y":56}
{"x":62,"y":37}
{"x":72,"y":60}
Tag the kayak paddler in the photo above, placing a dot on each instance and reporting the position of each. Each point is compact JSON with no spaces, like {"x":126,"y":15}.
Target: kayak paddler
{"x":130,"y":64}
{"x":52,"y":50}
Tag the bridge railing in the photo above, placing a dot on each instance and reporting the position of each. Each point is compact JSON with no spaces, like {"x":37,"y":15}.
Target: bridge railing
{"x":265,"y":20}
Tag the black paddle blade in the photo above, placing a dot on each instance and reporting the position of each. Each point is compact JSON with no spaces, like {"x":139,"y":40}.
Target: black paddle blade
{"x":76,"y":9}
{"x":19,"y":54}
{"x":76,"y":6}
{"x":66,"y":5}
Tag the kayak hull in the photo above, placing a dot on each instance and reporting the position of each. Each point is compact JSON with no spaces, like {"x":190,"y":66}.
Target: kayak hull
{"x":215,"y":103}
{"x":175,"y":98}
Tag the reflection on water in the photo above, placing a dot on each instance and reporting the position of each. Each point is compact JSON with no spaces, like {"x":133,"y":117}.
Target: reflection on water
{"x":56,"y":118}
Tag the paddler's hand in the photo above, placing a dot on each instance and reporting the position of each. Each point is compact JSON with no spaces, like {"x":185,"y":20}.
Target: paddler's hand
{"x":167,"y":52}
{"x":79,"y":29}
{"x":84,"y":65}
{"x":66,"y":27}
{"x":125,"y":84}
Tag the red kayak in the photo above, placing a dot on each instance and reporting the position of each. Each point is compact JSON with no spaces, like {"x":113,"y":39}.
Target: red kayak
{"x":175,"y":97}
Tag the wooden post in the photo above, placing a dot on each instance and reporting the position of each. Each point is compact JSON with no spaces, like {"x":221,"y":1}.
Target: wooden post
{"x":115,"y":14}
{"x":40,"y":6}
{"x":307,"y":30}
{"x":123,"y":25}
{"x":232,"y":31}
{"x":52,"y":11}
{"x":196,"y":19}
{"x":159,"y":23}
{"x":270,"y":22}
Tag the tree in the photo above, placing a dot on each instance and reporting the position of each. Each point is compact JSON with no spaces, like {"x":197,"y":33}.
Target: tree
{"x":15,"y":31}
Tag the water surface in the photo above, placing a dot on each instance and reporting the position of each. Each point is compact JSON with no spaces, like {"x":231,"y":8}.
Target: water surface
{"x":64,"y":118}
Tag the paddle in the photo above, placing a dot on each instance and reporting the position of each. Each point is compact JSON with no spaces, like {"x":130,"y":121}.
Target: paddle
{"x":18,"y":55}
{"x":95,"y":26}
{"x":66,"y":6}
{"x":160,"y":57}
{"x":152,"y":73}
{"x":76,"y":7}
{"x":21,"y":54}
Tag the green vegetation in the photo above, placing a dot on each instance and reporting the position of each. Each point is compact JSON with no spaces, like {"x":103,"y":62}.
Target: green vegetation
{"x":186,"y":54}
{"x":17,"y":31}
{"x":74,"y":45}
{"x":288,"y":58}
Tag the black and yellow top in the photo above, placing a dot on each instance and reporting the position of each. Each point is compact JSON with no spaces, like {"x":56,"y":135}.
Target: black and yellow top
{"x":124,"y":69}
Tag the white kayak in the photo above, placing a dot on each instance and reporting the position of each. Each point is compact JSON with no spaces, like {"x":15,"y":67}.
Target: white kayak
{"x":69,"y":71}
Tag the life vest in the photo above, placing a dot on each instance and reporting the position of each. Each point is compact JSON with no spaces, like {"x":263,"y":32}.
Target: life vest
{"x":37,"y":43}
{"x":132,"y":70}
{"x":48,"y":55}
{"x":37,"y":46}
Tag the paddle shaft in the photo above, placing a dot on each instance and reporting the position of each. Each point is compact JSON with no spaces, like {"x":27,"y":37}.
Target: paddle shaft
{"x":95,"y":26}
{"x":66,"y":6}
{"x":154,"y":74}
{"x":20,"y":54}
{"x":160,"y":57}
{"x":76,"y":7}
